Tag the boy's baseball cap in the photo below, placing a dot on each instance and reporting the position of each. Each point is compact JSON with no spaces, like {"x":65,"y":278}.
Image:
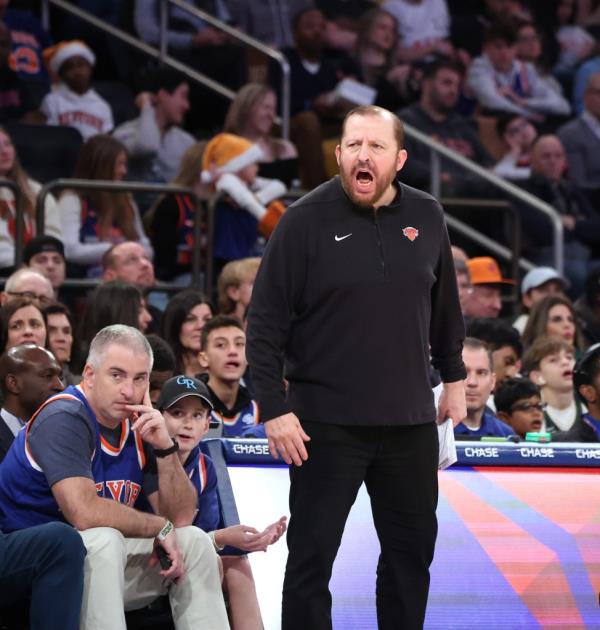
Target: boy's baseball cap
{"x":485,"y":270}
{"x":539,"y":276}
{"x":179,"y":387}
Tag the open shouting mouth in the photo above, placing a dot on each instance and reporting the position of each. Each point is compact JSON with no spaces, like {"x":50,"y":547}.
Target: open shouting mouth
{"x":364,"y":179}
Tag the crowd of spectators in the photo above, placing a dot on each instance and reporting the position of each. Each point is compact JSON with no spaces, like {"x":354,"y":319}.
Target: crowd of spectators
{"x":513,"y":88}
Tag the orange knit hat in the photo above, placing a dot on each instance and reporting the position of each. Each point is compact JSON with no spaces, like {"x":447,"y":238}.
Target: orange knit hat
{"x":229,"y":154}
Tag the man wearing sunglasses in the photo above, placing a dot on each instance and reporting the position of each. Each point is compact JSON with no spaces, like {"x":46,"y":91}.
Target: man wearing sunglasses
{"x":27,"y":283}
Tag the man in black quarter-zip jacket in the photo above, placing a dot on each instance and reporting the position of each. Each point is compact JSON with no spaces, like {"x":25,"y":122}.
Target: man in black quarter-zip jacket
{"x":356,"y":285}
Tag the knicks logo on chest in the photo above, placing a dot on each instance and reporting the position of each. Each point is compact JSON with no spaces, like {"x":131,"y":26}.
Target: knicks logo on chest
{"x":411,"y":233}
{"x":121,"y":490}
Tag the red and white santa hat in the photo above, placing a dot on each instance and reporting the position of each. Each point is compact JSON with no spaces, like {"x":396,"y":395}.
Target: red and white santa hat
{"x":56,"y":55}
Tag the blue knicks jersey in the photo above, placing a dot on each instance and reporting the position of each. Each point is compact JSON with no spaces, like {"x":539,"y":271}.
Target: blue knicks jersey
{"x":239,"y":423}
{"x":25,"y":496}
{"x":202,"y":474}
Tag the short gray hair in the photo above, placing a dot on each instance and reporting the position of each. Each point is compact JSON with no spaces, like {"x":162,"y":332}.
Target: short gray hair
{"x":13,"y":281}
{"x":120,"y":334}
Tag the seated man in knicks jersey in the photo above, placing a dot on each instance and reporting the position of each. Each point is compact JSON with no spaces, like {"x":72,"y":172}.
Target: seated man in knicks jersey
{"x":84,"y":458}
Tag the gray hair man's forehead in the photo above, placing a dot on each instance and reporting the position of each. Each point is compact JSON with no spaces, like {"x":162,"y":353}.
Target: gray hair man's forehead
{"x":118,"y":335}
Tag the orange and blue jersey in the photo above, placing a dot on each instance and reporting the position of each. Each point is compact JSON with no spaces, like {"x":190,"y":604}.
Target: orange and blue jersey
{"x":25,"y":495}
{"x":185,"y":230}
{"x":89,"y":232}
{"x":201,"y":471}
{"x":242,"y":420}
{"x":203,"y":475}
{"x":28,"y":39}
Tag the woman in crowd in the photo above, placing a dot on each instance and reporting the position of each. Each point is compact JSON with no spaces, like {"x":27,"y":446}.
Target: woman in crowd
{"x":11,"y":169}
{"x":93,"y":221}
{"x":376,"y":56}
{"x":182,"y":324}
{"x":60,"y":339}
{"x":112,"y":302}
{"x":252,"y":115}
{"x":553,"y":316}
{"x":171,"y":221}
{"x":519,"y":135}
{"x":22,"y":322}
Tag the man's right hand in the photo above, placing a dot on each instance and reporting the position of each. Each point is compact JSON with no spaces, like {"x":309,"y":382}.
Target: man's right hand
{"x":177,"y":569}
{"x":286,"y":438}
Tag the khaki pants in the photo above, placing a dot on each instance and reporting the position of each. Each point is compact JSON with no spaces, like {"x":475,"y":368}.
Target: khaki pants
{"x":117,"y":578}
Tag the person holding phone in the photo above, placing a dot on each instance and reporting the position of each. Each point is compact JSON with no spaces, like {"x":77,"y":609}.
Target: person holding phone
{"x":84,"y":458}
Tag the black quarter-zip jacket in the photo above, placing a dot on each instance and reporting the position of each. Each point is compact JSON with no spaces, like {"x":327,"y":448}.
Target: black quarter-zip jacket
{"x":347,"y":303}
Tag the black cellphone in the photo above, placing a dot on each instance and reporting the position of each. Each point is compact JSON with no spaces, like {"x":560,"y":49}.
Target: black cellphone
{"x":163,"y":558}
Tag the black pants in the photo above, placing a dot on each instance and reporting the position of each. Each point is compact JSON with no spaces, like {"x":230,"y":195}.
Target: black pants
{"x":399,"y":468}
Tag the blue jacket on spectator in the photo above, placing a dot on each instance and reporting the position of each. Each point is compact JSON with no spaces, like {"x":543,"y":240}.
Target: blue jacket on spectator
{"x":490,"y":426}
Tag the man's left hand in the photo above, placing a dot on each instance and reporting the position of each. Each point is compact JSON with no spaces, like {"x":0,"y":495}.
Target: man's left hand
{"x":452,"y":403}
{"x":150,"y":424}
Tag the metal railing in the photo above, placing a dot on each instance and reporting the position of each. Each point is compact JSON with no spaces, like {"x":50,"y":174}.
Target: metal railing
{"x":124,"y":186}
{"x":161,"y":53}
{"x":437,"y":149}
{"x":19,"y":218}
{"x":512,"y":254}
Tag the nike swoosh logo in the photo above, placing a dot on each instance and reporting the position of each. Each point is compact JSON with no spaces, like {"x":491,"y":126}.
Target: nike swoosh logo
{"x":341,"y":238}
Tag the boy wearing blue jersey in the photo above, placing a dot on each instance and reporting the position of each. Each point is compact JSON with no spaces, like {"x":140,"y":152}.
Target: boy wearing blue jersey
{"x":223,"y":355}
{"x":186,"y":406}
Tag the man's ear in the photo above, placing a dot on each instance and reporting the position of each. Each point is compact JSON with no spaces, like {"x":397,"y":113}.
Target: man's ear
{"x":108,"y":274}
{"x":87,"y":376}
{"x":203,"y":360}
{"x":13,"y":384}
{"x":3,"y":298}
{"x":337,"y":154}
{"x":401,"y":160}
{"x":537,"y":378}
{"x":233,"y":293}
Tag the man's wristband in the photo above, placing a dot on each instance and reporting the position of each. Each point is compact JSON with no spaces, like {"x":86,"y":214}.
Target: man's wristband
{"x":165,"y":531}
{"x":211,"y":535}
{"x":163,"y":452}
